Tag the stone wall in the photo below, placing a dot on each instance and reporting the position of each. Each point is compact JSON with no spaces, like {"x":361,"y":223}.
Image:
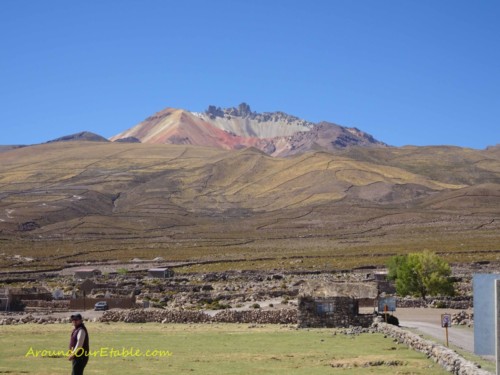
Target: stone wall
{"x":463,"y":318}
{"x":447,"y":358}
{"x":462,"y":303}
{"x":38,"y":306}
{"x":284,"y":316}
{"x":6,"y":320}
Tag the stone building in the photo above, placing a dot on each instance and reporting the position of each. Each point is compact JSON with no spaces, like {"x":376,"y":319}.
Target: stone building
{"x":87,"y":273}
{"x":161,"y":273}
{"x":87,"y":286}
{"x":335,"y":304}
{"x":15,"y":299}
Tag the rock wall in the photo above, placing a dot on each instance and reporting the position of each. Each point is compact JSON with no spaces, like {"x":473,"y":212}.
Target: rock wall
{"x":447,"y":358}
{"x":463,"y":318}
{"x":56,"y":304}
{"x":284,"y":316}
{"x":28,"y":318}
{"x":462,"y":303}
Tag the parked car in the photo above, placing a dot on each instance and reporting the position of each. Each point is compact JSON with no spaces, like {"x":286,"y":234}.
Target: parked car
{"x":102,"y":305}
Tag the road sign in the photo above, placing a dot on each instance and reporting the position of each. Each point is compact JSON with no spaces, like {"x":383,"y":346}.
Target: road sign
{"x":445,"y":320}
{"x":387,"y":304}
{"x":445,"y":323}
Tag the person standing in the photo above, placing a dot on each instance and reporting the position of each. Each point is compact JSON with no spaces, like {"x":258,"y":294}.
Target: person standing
{"x":78,"y":345}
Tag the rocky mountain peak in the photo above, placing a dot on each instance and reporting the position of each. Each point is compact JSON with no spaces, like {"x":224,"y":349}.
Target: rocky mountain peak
{"x":276,"y":133}
{"x":243,"y":110}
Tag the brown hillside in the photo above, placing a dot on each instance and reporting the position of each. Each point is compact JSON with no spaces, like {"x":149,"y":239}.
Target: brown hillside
{"x":443,"y":163}
{"x":120,"y":201}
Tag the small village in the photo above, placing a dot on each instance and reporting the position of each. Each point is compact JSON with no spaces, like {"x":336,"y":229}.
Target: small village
{"x":305,"y":298}
{"x":356,"y":302}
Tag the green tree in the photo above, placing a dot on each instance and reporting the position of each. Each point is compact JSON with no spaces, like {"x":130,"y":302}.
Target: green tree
{"x":420,"y":274}
{"x":393,"y":265}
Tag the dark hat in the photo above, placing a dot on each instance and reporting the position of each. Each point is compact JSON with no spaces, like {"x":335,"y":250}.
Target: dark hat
{"x":76,"y":317}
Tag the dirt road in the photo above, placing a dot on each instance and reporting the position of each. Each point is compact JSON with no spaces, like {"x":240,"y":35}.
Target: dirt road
{"x":428,"y":322}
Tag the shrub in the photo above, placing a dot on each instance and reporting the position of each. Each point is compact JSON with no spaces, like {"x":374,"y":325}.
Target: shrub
{"x":440,"y":305}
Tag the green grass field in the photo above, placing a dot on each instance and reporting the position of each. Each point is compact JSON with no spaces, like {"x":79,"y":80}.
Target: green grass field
{"x":209,"y":349}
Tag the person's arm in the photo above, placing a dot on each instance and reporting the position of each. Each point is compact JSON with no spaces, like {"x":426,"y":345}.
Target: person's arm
{"x":80,"y":339}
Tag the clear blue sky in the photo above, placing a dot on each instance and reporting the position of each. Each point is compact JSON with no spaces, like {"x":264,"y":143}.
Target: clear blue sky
{"x":420,"y":72}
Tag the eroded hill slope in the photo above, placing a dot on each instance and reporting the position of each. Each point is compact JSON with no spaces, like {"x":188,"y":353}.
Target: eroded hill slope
{"x":120,"y":200}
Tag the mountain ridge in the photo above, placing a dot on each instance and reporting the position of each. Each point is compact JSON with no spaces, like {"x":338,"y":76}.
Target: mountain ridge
{"x":80,"y":136}
{"x":275,"y":133}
